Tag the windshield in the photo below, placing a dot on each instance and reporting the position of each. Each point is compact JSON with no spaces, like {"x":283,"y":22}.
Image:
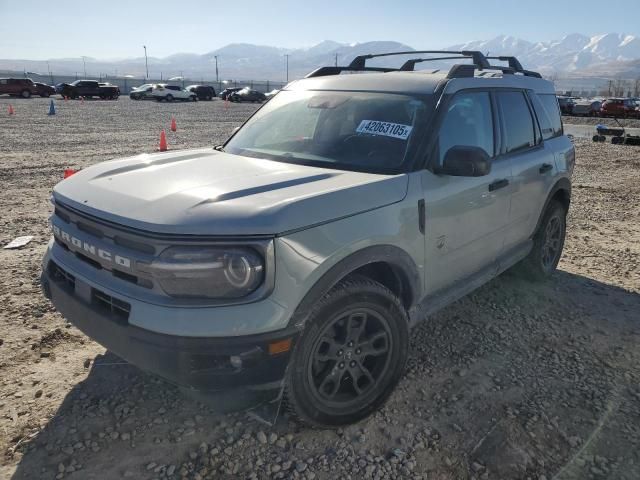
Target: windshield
{"x":362,"y":131}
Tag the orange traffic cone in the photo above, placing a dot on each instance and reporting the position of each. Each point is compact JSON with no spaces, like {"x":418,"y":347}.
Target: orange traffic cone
{"x":163,"y":142}
{"x":174,"y":127}
{"x":226,"y":102}
{"x":65,"y":98}
{"x":10,"y":109}
{"x":81,"y":100}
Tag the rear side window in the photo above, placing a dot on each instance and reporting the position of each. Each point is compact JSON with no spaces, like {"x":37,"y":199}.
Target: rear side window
{"x":468,"y":122}
{"x":518,"y":123}
{"x":548,"y":113}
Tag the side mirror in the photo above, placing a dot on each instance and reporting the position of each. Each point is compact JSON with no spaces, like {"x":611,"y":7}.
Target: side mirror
{"x":465,"y":161}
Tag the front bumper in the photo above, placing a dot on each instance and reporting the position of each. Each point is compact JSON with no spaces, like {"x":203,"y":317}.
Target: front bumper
{"x":206,"y":364}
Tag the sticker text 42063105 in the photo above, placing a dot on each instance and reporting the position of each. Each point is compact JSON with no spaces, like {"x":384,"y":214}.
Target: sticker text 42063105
{"x":388,"y":129}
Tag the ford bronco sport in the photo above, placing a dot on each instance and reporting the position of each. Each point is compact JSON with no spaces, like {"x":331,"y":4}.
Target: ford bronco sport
{"x":296,"y":257}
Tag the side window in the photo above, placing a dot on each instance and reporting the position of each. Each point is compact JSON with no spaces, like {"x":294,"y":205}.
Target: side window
{"x":468,"y":122}
{"x":548,"y":113}
{"x":518,"y":123}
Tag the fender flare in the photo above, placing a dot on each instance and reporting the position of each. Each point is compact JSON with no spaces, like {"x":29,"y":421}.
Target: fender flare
{"x":399,"y":260}
{"x":562,"y":184}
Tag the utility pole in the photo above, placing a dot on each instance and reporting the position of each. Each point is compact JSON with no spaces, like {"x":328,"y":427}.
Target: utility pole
{"x":287,"y":57}
{"x":84,"y":66}
{"x":336,"y":59}
{"x":146,"y":62}
{"x":217,"y":80}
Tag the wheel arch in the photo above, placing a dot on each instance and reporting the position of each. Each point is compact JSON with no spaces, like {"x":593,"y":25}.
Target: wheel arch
{"x":561,"y":191}
{"x":386,"y":264}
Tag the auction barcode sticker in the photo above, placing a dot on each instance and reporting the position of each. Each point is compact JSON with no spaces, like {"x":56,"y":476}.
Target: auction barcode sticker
{"x":388,"y":129}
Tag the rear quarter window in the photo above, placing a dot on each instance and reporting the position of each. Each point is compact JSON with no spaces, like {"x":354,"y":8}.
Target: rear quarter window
{"x":548,"y":113}
{"x":517,"y":121}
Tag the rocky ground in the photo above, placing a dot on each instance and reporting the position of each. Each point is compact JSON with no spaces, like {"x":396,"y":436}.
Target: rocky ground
{"x":516,"y":381}
{"x":625,"y":122}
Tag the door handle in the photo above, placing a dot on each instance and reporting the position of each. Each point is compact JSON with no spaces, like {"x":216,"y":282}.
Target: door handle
{"x":546,"y":167}
{"x":498,"y":184}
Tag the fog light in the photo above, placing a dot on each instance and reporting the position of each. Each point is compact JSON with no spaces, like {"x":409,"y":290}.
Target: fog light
{"x":236,"y":361}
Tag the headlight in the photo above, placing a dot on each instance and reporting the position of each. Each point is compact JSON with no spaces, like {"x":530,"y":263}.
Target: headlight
{"x":209,"y":272}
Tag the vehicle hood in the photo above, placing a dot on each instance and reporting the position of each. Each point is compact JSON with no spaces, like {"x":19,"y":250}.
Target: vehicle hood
{"x":206,"y":192}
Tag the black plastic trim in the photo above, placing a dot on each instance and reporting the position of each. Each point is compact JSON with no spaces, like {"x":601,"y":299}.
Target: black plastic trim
{"x":398,"y":259}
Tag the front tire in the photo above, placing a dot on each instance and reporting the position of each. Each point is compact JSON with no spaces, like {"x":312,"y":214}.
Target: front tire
{"x":350,"y":357}
{"x":25,"y":93}
{"x":169,"y":98}
{"x":548,"y":243}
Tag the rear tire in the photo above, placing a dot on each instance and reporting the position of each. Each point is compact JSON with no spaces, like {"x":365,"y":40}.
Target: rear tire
{"x":548,"y":243}
{"x":169,"y":98}
{"x":350,"y":356}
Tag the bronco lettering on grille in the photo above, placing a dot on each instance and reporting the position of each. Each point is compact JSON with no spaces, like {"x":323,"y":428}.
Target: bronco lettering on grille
{"x":85,"y":247}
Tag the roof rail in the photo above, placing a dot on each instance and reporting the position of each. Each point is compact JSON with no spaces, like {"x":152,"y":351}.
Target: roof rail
{"x":330,"y":70}
{"x":479,"y":62}
{"x":409,"y":65}
{"x":478,"y":58}
{"x":515,"y":64}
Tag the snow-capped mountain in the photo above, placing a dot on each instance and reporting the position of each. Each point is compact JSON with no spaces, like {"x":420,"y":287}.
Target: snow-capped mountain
{"x":574,"y":54}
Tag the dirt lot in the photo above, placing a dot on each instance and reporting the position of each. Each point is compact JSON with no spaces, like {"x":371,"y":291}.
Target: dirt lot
{"x":625,"y":122}
{"x":517,"y":381}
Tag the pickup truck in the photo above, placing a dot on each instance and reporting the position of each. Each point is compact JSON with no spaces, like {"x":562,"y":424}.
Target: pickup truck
{"x":88,"y":89}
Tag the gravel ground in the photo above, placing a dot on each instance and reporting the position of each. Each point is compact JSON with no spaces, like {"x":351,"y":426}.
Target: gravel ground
{"x":516,"y":381}
{"x":628,"y":122}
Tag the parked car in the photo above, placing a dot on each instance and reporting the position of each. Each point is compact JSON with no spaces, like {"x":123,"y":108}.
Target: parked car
{"x":618,"y":107}
{"x":294,"y":259}
{"x":88,"y":89}
{"x":204,"y":92}
{"x":566,"y":105}
{"x":23,"y":87}
{"x":44,"y":90}
{"x":142,"y":92}
{"x":224,"y":94}
{"x":247,"y":94}
{"x":169,"y":93}
{"x":586,"y":107}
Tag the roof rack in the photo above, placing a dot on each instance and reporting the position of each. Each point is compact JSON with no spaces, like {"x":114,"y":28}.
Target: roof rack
{"x":478,"y":58}
{"x":479,"y":62}
{"x":515,"y":64}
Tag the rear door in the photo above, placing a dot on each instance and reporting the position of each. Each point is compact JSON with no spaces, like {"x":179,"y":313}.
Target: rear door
{"x":466,"y":217}
{"x":532,"y":164}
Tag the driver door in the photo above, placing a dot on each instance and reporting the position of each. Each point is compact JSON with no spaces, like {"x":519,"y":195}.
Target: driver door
{"x":465,"y":217}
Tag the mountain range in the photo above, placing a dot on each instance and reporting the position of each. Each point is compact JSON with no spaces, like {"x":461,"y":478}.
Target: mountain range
{"x":575,"y":55}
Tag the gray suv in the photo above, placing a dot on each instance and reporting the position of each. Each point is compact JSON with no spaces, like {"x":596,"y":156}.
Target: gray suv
{"x":295,"y":258}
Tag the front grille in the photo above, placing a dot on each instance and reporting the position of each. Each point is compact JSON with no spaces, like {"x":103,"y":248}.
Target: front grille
{"x":96,"y":232}
{"x":61,"y":277}
{"x":117,"y":308}
{"x":108,"y":237}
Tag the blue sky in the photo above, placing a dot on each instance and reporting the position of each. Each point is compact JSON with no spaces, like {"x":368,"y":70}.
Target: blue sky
{"x":62,"y":28}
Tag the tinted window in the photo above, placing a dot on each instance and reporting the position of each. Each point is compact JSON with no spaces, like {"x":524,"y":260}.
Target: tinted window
{"x":518,"y":123}
{"x":548,"y":114}
{"x":468,"y":122}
